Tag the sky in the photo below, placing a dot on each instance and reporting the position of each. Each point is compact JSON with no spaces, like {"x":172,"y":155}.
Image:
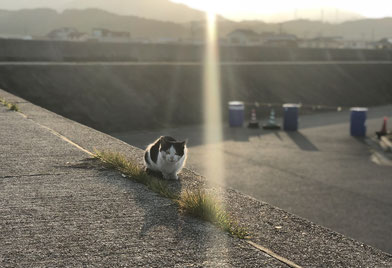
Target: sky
{"x":249,"y":9}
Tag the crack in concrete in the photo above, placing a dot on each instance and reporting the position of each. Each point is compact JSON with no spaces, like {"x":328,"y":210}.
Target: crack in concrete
{"x":31,"y":175}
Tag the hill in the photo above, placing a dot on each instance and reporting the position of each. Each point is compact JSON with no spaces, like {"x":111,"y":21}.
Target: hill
{"x":368,"y":29}
{"x":39,"y":22}
{"x":163,"y":10}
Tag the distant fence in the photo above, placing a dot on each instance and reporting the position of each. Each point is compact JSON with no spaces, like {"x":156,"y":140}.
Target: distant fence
{"x":35,"y":50}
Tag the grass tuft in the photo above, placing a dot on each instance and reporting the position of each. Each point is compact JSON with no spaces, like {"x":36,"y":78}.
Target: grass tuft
{"x":204,"y":206}
{"x":196,"y":203}
{"x":9,"y":105}
{"x":13,"y":107}
{"x":119,"y":162}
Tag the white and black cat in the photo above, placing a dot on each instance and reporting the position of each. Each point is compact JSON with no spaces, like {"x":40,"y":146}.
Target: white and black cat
{"x":166,"y":155}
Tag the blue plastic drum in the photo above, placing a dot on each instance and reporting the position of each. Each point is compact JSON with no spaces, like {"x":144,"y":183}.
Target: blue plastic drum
{"x":290,"y":119}
{"x":236,"y":113}
{"x":358,"y":121}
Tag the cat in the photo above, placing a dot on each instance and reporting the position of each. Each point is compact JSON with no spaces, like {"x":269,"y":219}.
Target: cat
{"x":166,"y":155}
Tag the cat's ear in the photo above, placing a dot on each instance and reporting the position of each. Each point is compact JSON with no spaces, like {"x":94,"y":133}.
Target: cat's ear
{"x":185,"y":142}
{"x":161,"y":142}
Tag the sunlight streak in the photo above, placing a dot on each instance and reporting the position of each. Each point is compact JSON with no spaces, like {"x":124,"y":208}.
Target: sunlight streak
{"x":212,"y":105}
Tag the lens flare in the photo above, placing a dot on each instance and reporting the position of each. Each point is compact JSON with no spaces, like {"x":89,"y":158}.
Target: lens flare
{"x":212,"y":105}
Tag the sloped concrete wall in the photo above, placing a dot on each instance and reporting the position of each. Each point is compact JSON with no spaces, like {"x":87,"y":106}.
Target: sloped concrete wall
{"x":34,"y":50}
{"x":116,"y":98}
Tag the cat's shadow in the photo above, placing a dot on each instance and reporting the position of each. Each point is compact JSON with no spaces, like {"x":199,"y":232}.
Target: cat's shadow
{"x":153,"y":173}
{"x":152,"y":216}
{"x":169,"y":218}
{"x":175,"y":186}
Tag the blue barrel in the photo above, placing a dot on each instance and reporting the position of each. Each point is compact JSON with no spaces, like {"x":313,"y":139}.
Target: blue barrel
{"x":236,"y":113}
{"x":358,"y":121}
{"x":290,"y":118}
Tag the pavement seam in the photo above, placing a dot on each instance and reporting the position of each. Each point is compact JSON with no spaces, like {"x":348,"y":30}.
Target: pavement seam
{"x":64,"y":138}
{"x":30,"y":175}
{"x":255,"y":245}
{"x":273,"y":254}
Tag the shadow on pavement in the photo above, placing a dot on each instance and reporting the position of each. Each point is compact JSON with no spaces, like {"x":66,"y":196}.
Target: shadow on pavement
{"x":154,"y":219}
{"x":362,"y":140}
{"x":302,"y":141}
{"x":194,"y":134}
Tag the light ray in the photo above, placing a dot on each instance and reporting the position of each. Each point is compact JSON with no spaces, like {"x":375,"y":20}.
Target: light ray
{"x":212,"y":105}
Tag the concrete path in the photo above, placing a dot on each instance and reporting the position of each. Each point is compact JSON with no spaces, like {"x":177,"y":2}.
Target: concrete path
{"x":319,"y":173}
{"x":59,"y":210}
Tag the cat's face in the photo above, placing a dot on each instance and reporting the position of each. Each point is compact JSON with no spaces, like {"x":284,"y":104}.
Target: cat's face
{"x":172,"y":151}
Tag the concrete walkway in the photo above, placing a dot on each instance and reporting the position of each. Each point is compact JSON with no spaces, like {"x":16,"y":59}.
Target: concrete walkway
{"x":59,"y":208}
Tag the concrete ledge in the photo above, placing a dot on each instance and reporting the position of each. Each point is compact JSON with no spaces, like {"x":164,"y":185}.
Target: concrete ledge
{"x":289,"y":236}
{"x":39,"y":50}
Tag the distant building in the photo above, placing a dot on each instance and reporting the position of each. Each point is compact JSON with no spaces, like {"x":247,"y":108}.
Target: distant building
{"x":281,"y":40}
{"x":385,"y":43}
{"x":142,"y":40}
{"x":105,"y":35}
{"x":251,"y":38}
{"x":265,"y":35}
{"x":323,"y":42}
{"x":78,"y":37}
{"x":191,"y":41}
{"x":166,"y":40}
{"x":67,"y":34}
{"x":16,"y":36}
{"x":358,"y":44}
{"x":244,"y":38}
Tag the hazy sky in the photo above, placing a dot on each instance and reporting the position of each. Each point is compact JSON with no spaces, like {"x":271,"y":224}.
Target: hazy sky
{"x":236,"y":9}
{"x":242,"y":9}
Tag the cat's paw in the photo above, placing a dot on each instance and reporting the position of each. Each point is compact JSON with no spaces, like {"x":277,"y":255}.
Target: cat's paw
{"x":173,"y":176}
{"x":170,"y":176}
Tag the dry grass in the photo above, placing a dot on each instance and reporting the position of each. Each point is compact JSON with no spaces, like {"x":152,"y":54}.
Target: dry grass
{"x":196,"y":203}
{"x":205,"y":206}
{"x":9,"y":105}
{"x":119,"y":162}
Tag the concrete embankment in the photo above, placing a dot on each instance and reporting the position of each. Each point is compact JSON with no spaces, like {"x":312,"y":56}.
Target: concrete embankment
{"x":60,"y":208}
{"x":34,"y":50}
{"x":119,"y":97}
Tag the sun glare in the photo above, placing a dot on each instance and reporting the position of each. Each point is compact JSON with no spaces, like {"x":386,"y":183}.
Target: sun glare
{"x":212,"y":103}
{"x":247,"y":9}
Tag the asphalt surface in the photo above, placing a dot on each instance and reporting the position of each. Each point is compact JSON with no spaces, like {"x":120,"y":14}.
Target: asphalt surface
{"x":320,"y":173}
